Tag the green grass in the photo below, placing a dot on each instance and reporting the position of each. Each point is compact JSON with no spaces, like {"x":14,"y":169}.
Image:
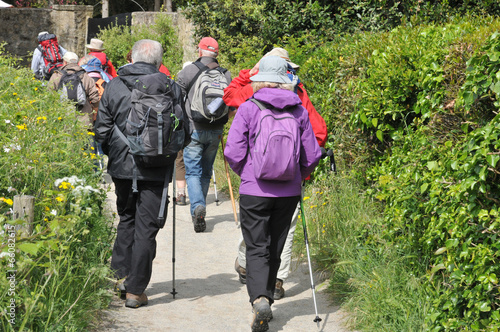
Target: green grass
{"x":370,"y":277}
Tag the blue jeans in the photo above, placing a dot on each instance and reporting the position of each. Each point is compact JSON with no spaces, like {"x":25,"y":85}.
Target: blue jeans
{"x":199,"y":157}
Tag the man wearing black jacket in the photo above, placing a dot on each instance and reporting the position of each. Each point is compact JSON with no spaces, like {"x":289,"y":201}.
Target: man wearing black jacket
{"x":135,"y":244}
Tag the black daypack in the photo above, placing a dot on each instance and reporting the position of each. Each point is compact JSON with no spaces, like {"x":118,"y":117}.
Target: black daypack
{"x":155,"y":123}
{"x":71,"y":87}
{"x":207,"y":105}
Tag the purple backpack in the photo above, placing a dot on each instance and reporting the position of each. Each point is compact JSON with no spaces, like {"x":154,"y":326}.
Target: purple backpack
{"x":276,"y":150}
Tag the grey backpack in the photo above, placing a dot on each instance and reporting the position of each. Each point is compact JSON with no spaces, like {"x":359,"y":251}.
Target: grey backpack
{"x":207,"y":105}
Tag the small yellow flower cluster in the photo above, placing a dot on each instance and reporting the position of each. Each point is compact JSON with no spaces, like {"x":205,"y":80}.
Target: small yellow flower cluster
{"x":22,"y":127}
{"x":6,"y":200}
{"x":59,"y":199}
{"x":66,"y":185}
{"x":41,"y":118}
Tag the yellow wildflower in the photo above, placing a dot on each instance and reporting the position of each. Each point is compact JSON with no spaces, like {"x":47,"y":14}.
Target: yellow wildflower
{"x":313,"y":206}
{"x":36,"y":89}
{"x":59,"y":199}
{"x":8,"y":201}
{"x":11,"y":83}
{"x":90,"y":133}
{"x":14,"y":93}
{"x":306,"y":198}
{"x":22,"y":127}
{"x":59,"y":118}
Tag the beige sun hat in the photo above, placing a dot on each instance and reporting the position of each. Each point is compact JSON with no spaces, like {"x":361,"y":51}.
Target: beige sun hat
{"x":95,"y":44}
{"x":282,"y":53}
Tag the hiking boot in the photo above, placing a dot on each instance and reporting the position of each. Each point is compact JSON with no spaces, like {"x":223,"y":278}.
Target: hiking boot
{"x":242,"y":273}
{"x":135,"y":301}
{"x":279,"y":291}
{"x":120,"y":289}
{"x":181,"y":199}
{"x":199,"y":219}
{"x":262,"y":314}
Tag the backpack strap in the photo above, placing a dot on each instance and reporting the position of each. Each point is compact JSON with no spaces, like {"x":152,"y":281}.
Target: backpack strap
{"x":201,"y":69}
{"x":134,"y":168}
{"x":64,"y":73}
{"x":261,"y":105}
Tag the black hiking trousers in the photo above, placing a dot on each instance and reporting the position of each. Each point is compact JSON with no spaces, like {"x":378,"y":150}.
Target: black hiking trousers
{"x":135,"y":244}
{"x":265,"y":222}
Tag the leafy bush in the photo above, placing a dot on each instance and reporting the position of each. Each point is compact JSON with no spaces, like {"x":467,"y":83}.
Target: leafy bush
{"x":120,"y":39}
{"x":56,"y":277}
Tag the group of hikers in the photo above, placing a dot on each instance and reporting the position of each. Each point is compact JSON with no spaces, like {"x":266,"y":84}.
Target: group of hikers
{"x":148,"y":125}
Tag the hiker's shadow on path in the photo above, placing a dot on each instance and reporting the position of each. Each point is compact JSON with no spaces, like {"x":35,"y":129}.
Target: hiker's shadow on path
{"x":213,"y":220}
{"x":286,"y":311}
{"x":194,"y":288}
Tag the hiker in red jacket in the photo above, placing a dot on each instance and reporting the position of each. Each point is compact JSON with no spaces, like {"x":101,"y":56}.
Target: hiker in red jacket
{"x":238,"y":91}
{"x":96,"y":49}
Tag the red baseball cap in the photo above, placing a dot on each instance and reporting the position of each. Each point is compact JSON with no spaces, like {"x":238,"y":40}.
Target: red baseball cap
{"x":209,"y":44}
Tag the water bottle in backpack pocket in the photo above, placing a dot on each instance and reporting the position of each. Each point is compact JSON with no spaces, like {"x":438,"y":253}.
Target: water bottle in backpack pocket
{"x":71,"y":87}
{"x":155,"y":122}
{"x":276,"y":150}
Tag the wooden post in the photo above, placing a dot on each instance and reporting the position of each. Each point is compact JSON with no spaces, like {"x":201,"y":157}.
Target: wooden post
{"x":24,"y":208}
{"x":168,"y":5}
{"x":105,"y":8}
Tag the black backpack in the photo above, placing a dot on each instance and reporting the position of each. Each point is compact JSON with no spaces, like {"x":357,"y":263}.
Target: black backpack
{"x":71,"y":87}
{"x":155,"y":124}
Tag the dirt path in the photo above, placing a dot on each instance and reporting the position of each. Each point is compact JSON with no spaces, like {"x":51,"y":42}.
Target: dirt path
{"x":209,"y":295}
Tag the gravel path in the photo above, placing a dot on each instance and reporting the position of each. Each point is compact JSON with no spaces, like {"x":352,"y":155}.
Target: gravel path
{"x":209,"y":295}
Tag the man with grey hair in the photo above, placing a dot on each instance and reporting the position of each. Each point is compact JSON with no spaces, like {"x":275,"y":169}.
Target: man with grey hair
{"x":138,"y":206}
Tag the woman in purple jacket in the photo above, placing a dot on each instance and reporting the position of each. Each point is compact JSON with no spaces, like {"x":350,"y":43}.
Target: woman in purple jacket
{"x":267,"y":206}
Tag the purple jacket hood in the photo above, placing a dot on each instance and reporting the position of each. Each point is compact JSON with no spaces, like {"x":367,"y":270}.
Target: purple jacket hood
{"x":281,"y":99}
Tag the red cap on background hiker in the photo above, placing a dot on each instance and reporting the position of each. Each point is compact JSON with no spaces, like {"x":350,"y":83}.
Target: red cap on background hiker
{"x":209,"y":44}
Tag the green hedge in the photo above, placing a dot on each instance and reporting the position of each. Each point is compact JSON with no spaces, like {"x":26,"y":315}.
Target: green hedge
{"x":61,"y":269}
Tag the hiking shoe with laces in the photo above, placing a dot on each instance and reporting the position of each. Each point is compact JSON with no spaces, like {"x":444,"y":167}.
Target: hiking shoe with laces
{"x":136,"y":301}
{"x":279,"y":291}
{"x":181,"y":199}
{"x":242,"y":273}
{"x":199,"y":219}
{"x":262,"y":314}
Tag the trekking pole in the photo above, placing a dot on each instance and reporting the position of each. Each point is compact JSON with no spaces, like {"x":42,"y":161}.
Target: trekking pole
{"x":215,"y":187}
{"x":173,"y":292}
{"x":229,"y":181}
{"x":317,"y":319}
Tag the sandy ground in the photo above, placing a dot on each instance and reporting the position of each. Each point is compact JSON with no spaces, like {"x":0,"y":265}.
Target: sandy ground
{"x":209,"y":295}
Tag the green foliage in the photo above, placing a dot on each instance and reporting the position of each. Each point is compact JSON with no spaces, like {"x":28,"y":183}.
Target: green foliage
{"x":120,"y":39}
{"x":482,"y":84}
{"x":434,"y":169}
{"x":61,"y":269}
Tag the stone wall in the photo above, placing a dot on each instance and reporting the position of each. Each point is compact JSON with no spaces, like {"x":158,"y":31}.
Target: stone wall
{"x":20,"y":27}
